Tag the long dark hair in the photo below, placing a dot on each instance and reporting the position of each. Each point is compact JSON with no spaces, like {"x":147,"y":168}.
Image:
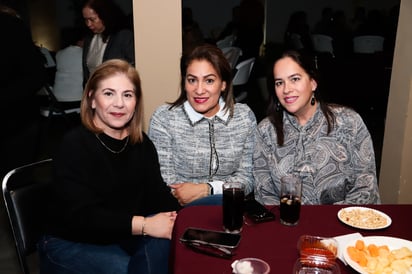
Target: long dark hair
{"x":275,"y":110}
{"x":111,"y":15}
{"x":215,"y":57}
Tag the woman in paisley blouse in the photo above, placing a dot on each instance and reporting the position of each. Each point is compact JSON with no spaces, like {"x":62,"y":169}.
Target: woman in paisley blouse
{"x":327,"y":145}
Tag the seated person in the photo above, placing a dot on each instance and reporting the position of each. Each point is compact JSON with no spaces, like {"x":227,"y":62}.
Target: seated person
{"x":204,"y":138}
{"x":68,"y":81}
{"x":111,"y":210}
{"x":327,"y":145}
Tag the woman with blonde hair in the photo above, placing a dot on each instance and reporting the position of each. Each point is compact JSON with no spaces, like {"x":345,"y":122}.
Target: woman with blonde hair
{"x":112,"y":212}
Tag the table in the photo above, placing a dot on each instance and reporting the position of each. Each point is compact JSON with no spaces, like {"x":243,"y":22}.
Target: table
{"x":272,"y":241}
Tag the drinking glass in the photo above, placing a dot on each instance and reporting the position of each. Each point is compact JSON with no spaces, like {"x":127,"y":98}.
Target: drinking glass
{"x":290,"y":199}
{"x":233,"y":206}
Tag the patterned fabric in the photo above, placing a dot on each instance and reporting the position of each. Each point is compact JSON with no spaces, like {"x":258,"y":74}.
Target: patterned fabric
{"x":338,"y":168}
{"x":193,"y":148}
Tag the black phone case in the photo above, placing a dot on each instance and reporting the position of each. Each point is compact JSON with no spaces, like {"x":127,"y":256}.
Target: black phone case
{"x":257,"y":212}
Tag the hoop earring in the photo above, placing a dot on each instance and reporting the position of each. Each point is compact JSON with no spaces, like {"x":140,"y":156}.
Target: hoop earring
{"x":312,"y":101}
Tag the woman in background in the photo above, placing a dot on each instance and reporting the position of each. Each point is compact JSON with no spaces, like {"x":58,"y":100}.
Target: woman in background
{"x":110,"y":37}
{"x":327,"y":145}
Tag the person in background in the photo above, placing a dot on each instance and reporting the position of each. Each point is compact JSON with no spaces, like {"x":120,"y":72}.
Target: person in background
{"x":327,"y":145}
{"x":68,"y":82}
{"x":111,"y":210}
{"x":232,"y":27}
{"x":22,"y":75}
{"x":250,"y":34}
{"x":110,"y":35}
{"x":297,"y":35}
{"x":204,"y":138}
{"x":192,"y":35}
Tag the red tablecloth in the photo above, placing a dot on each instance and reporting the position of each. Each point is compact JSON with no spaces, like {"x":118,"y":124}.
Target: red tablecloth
{"x":272,"y":241}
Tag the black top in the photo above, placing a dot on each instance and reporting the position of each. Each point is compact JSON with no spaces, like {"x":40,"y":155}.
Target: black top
{"x":22,"y":74}
{"x":97,"y":192}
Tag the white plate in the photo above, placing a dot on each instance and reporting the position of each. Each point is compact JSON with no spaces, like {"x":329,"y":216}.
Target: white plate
{"x":391,"y":242}
{"x":362,"y":224}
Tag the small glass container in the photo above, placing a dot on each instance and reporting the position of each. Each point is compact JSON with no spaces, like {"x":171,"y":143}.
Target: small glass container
{"x":250,"y":266}
{"x":315,"y":267}
{"x":317,"y":252}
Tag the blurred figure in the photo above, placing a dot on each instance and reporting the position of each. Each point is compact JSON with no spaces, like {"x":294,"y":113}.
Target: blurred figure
{"x":298,"y":35}
{"x":325,"y":24}
{"x":110,"y":37}
{"x":68,"y":82}
{"x":373,"y":25}
{"x":341,"y":34}
{"x":192,"y":35}
{"x":250,"y":32}
{"x":22,"y":75}
{"x":358,"y":19}
{"x":232,"y":27}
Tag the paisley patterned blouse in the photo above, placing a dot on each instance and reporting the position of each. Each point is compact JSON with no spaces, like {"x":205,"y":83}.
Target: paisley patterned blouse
{"x":338,"y":168}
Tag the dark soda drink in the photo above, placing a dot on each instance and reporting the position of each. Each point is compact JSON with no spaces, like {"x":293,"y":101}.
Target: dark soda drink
{"x":233,"y":208}
{"x":289,"y":209}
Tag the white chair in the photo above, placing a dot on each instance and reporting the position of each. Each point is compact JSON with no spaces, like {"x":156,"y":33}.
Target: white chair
{"x":226,"y":42}
{"x":49,"y":60}
{"x":323,"y":43}
{"x":56,"y":107}
{"x":232,"y":54}
{"x":368,"y":44}
{"x":241,"y":78}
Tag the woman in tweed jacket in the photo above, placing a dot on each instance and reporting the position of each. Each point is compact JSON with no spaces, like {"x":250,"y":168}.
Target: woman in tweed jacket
{"x":328,"y":146}
{"x":204,"y":138}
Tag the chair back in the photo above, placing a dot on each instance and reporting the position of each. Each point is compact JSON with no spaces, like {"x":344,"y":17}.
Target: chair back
{"x":243,"y":72}
{"x":232,"y":54}
{"x":56,"y":107}
{"x":226,"y":42}
{"x":322,"y":43}
{"x":25,"y":192}
{"x":368,"y":44}
{"x":241,"y":78}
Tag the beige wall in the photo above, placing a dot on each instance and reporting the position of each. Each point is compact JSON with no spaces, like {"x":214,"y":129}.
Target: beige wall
{"x":158,"y":47}
{"x":396,"y":166}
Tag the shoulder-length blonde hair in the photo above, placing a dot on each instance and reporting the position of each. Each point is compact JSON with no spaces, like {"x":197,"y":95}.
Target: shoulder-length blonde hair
{"x":102,"y":72}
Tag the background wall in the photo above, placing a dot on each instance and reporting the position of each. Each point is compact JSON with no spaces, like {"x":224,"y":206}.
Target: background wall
{"x":213,"y":15}
{"x":396,"y":173}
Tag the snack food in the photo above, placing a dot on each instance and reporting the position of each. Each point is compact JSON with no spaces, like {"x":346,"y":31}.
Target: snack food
{"x":380,"y":259}
{"x":363,"y":217}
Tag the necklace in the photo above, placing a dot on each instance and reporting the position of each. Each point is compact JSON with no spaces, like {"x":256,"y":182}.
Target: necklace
{"x":111,"y":150}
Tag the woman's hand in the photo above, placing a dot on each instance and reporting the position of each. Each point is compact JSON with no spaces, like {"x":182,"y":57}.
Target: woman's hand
{"x":160,"y":225}
{"x":188,"y":192}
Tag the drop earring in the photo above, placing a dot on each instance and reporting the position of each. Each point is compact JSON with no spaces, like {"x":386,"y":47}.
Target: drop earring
{"x":312,"y":101}
{"x":277,"y":106}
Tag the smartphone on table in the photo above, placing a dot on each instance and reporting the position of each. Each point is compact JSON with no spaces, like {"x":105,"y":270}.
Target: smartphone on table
{"x":257,"y":212}
{"x":210,"y":237}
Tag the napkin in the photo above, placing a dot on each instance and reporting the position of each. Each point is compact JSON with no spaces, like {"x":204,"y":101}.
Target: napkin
{"x":343,"y":241}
